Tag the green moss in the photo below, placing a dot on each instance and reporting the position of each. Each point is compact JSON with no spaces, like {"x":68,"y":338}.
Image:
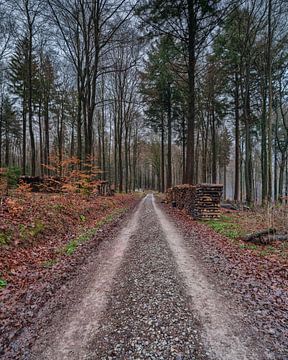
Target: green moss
{"x":3,"y":283}
{"x":28,"y":232}
{"x":71,"y":247}
{"x":4,"y":238}
{"x":248,"y":246}
{"x":82,"y":217}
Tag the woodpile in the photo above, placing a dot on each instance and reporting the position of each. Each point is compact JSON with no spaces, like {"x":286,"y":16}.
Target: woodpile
{"x":49,"y":184}
{"x":207,"y":201}
{"x":104,"y":188}
{"x":201,"y":201}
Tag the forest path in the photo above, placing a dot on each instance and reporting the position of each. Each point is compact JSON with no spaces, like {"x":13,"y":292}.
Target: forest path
{"x":149,"y":299}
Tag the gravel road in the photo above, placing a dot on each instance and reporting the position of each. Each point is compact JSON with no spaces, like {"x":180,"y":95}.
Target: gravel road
{"x":147,"y":298}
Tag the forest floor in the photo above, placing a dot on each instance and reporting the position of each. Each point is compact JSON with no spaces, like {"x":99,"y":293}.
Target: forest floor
{"x":235,"y":225}
{"x":158,"y":285}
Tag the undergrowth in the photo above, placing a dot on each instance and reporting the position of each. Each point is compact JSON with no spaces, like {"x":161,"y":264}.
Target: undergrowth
{"x":226,"y":227}
{"x":72,"y":245}
{"x":4,"y":238}
{"x":49,"y":263}
{"x":30,"y":232}
{"x":3,"y":283}
{"x":235,"y":226}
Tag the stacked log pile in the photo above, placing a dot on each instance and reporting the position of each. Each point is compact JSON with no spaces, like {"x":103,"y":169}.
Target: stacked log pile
{"x":207,"y":201}
{"x":169,"y":196}
{"x":201,"y":201}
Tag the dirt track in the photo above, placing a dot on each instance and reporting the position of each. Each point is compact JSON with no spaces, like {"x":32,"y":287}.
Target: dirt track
{"x":145,"y":296}
{"x":142,"y":293}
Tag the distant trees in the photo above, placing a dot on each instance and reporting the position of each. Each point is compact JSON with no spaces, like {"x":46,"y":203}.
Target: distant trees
{"x":232,"y":82}
{"x":73,"y":77}
{"x":160,"y":91}
{"x":151,"y":92}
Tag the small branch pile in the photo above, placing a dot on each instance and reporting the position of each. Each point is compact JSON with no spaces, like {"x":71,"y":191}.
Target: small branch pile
{"x":201,"y":201}
{"x":51,"y":184}
{"x":57,"y":184}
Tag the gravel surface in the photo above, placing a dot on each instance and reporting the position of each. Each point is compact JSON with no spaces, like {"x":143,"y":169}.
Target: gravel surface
{"x":145,"y":296}
{"x":149,"y":314}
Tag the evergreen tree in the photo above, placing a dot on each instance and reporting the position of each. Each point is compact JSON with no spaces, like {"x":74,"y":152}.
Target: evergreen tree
{"x":160,"y":92}
{"x":19,"y":77}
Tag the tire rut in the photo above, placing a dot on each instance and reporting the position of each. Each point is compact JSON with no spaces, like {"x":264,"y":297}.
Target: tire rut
{"x":148,"y":314}
{"x":149,"y":300}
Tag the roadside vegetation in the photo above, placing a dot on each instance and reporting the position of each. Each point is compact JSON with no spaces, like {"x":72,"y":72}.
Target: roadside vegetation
{"x":236,"y":225}
{"x":38,"y":230}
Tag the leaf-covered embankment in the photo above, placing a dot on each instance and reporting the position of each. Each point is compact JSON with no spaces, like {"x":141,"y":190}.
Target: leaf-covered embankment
{"x":44,"y":238}
{"x":37,"y":231}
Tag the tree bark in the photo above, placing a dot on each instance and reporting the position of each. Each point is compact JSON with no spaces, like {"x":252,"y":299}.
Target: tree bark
{"x":214,"y":147}
{"x":190,"y":151}
{"x":269,"y":123}
{"x":40,"y":138}
{"x":24,"y":126}
{"x":162,"y":154}
{"x":169,"y":139}
{"x":1,"y":128}
{"x":237,"y":140}
{"x":30,"y":99}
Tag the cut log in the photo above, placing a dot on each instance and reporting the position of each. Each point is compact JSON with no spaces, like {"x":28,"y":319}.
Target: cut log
{"x":279,"y":237}
{"x":229,"y":207}
{"x":257,"y":235}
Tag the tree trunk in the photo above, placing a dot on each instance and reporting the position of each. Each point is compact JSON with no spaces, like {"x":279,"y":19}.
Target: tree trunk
{"x":192,"y":28}
{"x":214,"y":148}
{"x":47,"y":139}
{"x":183,"y":150}
{"x":1,"y":128}
{"x":24,"y":126}
{"x":197,"y":155}
{"x":126,"y":160}
{"x":120,"y":163}
{"x":169,"y":139}
{"x":7,"y":142}
{"x":275,"y":166}
{"x":79,"y":121}
{"x":30,"y":110}
{"x":40,"y":139}
{"x":225,"y":182}
{"x":72,"y":151}
{"x":237,"y":140}
{"x":162,"y":154}
{"x":281,"y":178}
{"x":269,"y":124}
{"x":264,"y":147}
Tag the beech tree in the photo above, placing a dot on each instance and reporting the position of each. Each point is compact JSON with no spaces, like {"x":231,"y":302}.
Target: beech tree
{"x":149,"y":92}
